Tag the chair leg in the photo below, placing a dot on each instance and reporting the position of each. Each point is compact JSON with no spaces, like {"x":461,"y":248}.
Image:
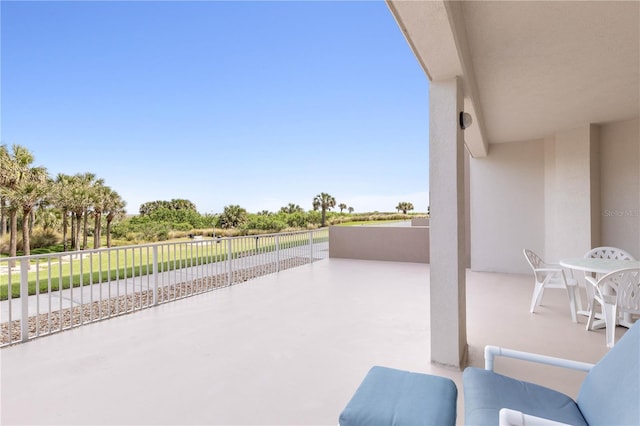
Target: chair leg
{"x":578,"y":296}
{"x":609,"y":312}
{"x":592,"y":315}
{"x":571,"y":291}
{"x":537,"y":296}
{"x":590,"y":294}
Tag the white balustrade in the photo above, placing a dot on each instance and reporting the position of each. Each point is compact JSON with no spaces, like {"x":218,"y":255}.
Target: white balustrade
{"x":115,"y":281}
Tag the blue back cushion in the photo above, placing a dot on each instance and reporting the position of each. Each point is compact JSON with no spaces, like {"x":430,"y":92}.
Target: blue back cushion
{"x":610,"y":393}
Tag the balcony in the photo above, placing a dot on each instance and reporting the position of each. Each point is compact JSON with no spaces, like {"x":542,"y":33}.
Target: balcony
{"x":287,"y":348}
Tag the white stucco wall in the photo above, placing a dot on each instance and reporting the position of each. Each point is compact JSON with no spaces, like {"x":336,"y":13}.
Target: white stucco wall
{"x":507,"y":206}
{"x":620,"y":185}
{"x":572,"y":188}
{"x":560,"y":196}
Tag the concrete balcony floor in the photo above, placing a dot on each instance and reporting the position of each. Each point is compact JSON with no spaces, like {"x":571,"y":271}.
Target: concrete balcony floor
{"x":289,"y":348}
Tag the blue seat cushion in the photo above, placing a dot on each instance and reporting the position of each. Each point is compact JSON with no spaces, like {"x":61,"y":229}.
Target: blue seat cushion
{"x":486,"y":392}
{"x":388,"y":396}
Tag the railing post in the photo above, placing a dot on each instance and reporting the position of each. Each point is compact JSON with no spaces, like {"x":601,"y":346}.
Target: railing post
{"x":24,"y":299}
{"x":229,"y":259}
{"x":155,"y":275}
{"x":311,"y":246}
{"x":277,"y":253}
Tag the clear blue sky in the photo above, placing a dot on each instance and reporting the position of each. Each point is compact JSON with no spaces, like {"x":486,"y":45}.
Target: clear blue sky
{"x":252,"y":103}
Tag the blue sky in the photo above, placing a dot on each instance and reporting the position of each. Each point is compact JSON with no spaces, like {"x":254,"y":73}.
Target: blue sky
{"x":252,"y":103}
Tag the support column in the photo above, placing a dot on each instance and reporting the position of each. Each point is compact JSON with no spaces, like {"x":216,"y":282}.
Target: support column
{"x":572,"y":192}
{"x":447,"y":239}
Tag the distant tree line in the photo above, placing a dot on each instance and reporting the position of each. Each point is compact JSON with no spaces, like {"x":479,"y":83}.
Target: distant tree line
{"x":159,"y":219}
{"x":69,"y":210}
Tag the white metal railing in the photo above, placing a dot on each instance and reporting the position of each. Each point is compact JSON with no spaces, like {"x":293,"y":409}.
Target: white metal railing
{"x":37,"y":298}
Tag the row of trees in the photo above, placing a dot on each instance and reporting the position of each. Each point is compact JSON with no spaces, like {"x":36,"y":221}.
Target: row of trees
{"x":80,"y":205}
{"x":235,"y":216}
{"x":29,"y":196}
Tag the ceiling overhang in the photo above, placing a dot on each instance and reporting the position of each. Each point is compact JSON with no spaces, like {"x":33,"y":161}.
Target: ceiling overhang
{"x":529,"y":69}
{"x":437,"y":36}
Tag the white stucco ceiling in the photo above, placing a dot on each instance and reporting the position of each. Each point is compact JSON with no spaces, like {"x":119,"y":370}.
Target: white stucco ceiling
{"x":532,"y":69}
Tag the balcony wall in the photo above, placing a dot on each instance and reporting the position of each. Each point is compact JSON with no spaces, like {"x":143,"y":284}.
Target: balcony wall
{"x":395,"y":244}
{"x":420,"y":221}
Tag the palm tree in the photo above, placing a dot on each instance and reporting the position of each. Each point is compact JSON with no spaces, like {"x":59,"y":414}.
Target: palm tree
{"x":147,"y":208}
{"x":100,"y":197}
{"x":350,"y":209}
{"x":30,"y":189}
{"x":181,"y":204}
{"x":14,"y":165}
{"x":61,"y":195}
{"x":324,"y":202}
{"x":75,"y":208}
{"x":48,"y":218}
{"x":114,"y":208}
{"x":232,"y":216}
{"x":3,"y":216}
{"x":291,"y":208}
{"x":404,"y":206}
{"x":5,"y":168}
{"x":342,"y":206}
{"x":90,"y":188}
{"x":81,"y":190}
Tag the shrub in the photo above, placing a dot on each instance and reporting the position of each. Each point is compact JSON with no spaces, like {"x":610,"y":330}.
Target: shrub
{"x":296,"y":219}
{"x":232,"y":217}
{"x":4,"y":244}
{"x":41,"y":239}
{"x":185,"y":226}
{"x":265,"y":223}
{"x":133,"y":237}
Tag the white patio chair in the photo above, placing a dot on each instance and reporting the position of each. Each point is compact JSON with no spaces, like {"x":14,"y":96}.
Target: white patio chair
{"x":608,"y":395}
{"x":617,"y":292}
{"x":592,"y":278}
{"x":550,"y":275}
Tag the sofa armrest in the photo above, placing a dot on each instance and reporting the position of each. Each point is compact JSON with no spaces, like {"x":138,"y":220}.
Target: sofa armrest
{"x":490,"y":352}
{"x":510,"y":417}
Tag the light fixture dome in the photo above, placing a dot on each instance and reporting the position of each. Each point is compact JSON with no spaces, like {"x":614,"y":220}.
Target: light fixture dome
{"x":465,"y":120}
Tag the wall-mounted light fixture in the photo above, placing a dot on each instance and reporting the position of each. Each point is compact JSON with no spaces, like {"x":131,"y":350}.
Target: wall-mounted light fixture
{"x":465,"y":120}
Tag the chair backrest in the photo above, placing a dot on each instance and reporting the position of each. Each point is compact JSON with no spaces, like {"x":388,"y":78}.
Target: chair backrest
{"x":538,"y":265}
{"x":608,"y":253}
{"x":534,"y":260}
{"x":610,"y":393}
{"x":625,"y":284}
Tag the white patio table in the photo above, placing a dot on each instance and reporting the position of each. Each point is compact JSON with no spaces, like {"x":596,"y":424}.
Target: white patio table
{"x":598,"y":266}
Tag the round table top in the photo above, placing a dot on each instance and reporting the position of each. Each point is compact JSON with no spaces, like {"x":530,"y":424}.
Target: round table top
{"x":601,"y":266}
